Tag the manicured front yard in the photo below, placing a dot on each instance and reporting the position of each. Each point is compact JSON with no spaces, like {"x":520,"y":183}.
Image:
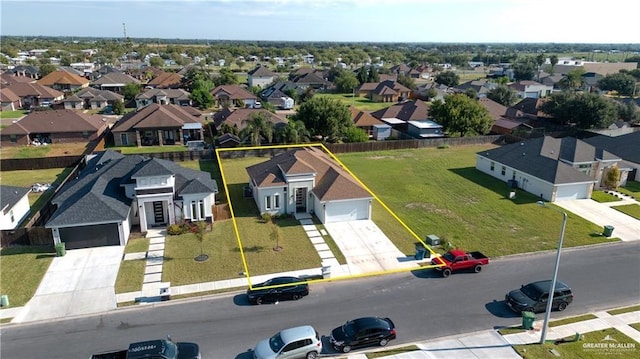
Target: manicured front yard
{"x":603,"y":197}
{"x":359,"y":102}
{"x":624,"y":310}
{"x":632,"y":189}
{"x":22,"y":269}
{"x":632,"y":210}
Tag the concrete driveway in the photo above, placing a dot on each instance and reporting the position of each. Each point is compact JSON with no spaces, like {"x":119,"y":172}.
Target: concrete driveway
{"x":367,"y":249}
{"x":626,"y":227}
{"x":81,"y":282}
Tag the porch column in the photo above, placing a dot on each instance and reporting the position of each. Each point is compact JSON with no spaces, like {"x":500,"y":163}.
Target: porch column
{"x":138,"y":140}
{"x":160,"y":140}
{"x":143,"y":216}
{"x":181,"y":134}
{"x":172,"y":212}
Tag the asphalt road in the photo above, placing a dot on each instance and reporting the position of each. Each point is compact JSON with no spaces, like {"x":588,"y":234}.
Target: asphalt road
{"x":422,"y":305}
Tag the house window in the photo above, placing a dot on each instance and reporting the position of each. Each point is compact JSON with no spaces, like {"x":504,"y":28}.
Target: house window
{"x":276,"y":201}
{"x":85,"y":134}
{"x":202,"y":213}
{"x":13,"y":219}
{"x":124,"y":139}
{"x":194,"y":209}
{"x":13,"y":138}
{"x":504,"y":170}
{"x":493,"y":166}
{"x":513,"y":176}
{"x":267,"y":204}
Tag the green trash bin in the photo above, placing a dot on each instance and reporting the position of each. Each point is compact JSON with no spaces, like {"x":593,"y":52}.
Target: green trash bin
{"x":4,"y":301}
{"x":608,"y":231}
{"x":60,"y":250}
{"x":528,"y":318}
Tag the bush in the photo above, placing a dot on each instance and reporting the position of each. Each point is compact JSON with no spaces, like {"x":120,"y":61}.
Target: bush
{"x":176,"y":229}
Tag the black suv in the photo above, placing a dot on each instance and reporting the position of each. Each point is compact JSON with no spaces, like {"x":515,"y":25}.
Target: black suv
{"x":280,"y":288}
{"x":533,"y":297}
{"x":362,"y":332}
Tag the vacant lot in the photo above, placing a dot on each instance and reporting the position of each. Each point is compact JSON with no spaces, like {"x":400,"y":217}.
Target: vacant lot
{"x":53,"y":150}
{"x":361,"y":103}
{"x":439,"y":191}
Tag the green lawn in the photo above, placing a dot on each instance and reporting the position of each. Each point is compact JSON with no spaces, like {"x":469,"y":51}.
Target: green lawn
{"x":13,"y":114}
{"x":570,"y":320}
{"x":632,"y":210}
{"x":22,"y":269}
{"x":439,"y":191}
{"x":359,"y":102}
{"x":624,"y":310}
{"x":134,"y":150}
{"x":632,"y":189}
{"x":582,"y":349}
{"x":603,"y":197}
{"x":385,"y":353}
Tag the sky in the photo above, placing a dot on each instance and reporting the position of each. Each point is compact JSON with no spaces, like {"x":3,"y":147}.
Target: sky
{"x":461,"y":21}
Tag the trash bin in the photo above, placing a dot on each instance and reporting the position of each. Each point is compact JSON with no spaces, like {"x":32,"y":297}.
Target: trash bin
{"x":420,"y":252}
{"x":60,"y":249}
{"x":527,"y":319}
{"x":4,"y":301}
{"x":165,"y":293}
{"x":326,"y":272}
{"x":608,"y":231}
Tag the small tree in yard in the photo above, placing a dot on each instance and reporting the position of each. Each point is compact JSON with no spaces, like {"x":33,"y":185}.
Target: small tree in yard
{"x":612,"y":178}
{"x":275,"y":235}
{"x":198,"y":228}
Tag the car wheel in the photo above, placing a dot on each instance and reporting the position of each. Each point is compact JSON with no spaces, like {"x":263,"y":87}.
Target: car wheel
{"x":296,"y":296}
{"x":383,"y":342}
{"x":312,"y":355}
{"x":446,"y":272}
{"x":562,"y":306}
{"x":477,"y":268}
{"x":346,"y":349}
{"x":259,"y":300}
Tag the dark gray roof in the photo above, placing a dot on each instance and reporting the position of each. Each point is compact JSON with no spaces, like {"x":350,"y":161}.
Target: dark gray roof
{"x":97,"y":195}
{"x":541,"y":158}
{"x":627,"y":147}
{"x":10,"y":195}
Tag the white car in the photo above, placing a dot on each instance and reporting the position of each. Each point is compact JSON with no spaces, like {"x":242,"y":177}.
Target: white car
{"x":293,"y":343}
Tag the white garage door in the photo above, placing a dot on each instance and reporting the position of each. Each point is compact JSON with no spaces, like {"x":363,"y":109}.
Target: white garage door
{"x":347,"y":211}
{"x":571,"y":192}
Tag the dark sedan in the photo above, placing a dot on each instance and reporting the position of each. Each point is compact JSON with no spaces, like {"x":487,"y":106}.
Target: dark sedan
{"x":277,"y":289}
{"x":362,"y":332}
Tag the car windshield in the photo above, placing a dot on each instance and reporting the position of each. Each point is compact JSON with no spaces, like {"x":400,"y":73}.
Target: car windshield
{"x":531,"y":291}
{"x":449,"y":257}
{"x":349,"y":329}
{"x":275,"y":342}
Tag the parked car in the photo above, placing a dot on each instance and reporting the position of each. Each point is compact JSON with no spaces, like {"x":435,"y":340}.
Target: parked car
{"x":533,"y":297}
{"x":280,"y":288}
{"x":362,"y":332}
{"x":292,"y":343}
{"x":161,"y":348}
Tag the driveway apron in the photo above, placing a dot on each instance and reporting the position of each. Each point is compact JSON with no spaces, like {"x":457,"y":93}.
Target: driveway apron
{"x":626,"y":227}
{"x":81,"y":282}
{"x":366,"y":248}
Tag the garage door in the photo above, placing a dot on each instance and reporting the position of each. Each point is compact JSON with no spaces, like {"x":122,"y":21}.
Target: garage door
{"x":347,"y":211}
{"x":568,"y":192}
{"x":90,"y":236}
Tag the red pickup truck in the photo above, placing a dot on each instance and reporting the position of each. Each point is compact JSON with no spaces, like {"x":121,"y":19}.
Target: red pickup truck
{"x":457,"y":260}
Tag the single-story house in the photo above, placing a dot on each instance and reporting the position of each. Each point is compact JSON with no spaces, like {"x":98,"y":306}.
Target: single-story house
{"x":627,"y":147}
{"x":9,"y":101}
{"x":114,"y":81}
{"x":555,"y":169}
{"x":114,"y":192}
{"x":398,"y":115}
{"x":91,"y":98}
{"x":531,"y":89}
{"x":238,"y":118}
{"x":64,"y":81}
{"x":260,"y":76}
{"x":159,"y":125}
{"x":384,"y":91}
{"x":233,"y":95}
{"x":57,"y":126}
{"x":34,"y":95}
{"x":14,"y":202}
{"x":165,"y":80}
{"x":228,"y":140}
{"x":364,"y":120}
{"x":505,"y":126}
{"x":178,"y":97}
{"x":307,"y":180}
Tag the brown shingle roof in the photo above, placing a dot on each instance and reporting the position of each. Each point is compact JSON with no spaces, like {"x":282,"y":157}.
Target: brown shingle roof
{"x":63,"y":78}
{"x":235,"y":92}
{"x":362,"y":118}
{"x":115,"y":78}
{"x":331,"y":181}
{"x":157,"y":116}
{"x":411,"y":110}
{"x":25,"y":89}
{"x":166,"y":80}
{"x":238,"y":117}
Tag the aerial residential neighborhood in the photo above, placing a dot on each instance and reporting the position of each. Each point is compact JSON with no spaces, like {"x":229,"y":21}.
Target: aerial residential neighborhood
{"x":165,"y":194}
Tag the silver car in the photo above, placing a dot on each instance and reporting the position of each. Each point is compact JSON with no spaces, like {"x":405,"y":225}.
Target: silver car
{"x":293,"y":343}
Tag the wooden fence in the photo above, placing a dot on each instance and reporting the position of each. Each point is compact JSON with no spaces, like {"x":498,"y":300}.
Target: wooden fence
{"x":31,"y":236}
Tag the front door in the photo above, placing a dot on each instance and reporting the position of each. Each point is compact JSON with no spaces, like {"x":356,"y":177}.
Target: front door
{"x":158,"y":212}
{"x":301,"y":200}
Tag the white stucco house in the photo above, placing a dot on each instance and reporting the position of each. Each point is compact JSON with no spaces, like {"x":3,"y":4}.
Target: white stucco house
{"x":261,"y":77}
{"x":114,"y":192}
{"x":555,"y":169}
{"x":15,"y":206}
{"x":307,"y":180}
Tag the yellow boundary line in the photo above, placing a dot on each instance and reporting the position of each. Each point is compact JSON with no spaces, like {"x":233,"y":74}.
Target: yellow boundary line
{"x":326,"y":150}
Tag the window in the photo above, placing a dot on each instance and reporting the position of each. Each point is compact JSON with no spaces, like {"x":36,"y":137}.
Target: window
{"x":13,"y":138}
{"x":493,"y":166}
{"x":513,"y":176}
{"x":267,"y":202}
{"x":194,"y":210}
{"x":202,"y":212}
{"x":85,"y":134}
{"x":504,"y":170}
{"x":124,"y":139}
{"x":13,"y":219}
{"x":276,"y":201}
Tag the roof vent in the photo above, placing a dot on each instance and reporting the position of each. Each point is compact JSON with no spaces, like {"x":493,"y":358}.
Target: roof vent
{"x":523,"y":153}
{"x":521,"y":143}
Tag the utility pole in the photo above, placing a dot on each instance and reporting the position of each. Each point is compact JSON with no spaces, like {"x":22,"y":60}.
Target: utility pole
{"x":124,"y":29}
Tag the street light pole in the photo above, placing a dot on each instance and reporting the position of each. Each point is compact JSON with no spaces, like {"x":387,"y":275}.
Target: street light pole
{"x":552,"y":289}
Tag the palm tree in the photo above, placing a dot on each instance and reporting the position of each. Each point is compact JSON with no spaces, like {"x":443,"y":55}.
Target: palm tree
{"x":258,"y":125}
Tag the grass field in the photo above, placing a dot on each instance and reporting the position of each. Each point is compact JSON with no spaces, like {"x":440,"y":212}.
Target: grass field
{"x":53,"y":150}
{"x":22,"y":269}
{"x":359,"y":102}
{"x":631,"y":189}
{"x":577,"y":349}
{"x":632,"y":210}
{"x":603,"y":197}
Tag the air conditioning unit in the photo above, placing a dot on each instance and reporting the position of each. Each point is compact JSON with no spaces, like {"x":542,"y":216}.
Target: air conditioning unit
{"x":433,"y":240}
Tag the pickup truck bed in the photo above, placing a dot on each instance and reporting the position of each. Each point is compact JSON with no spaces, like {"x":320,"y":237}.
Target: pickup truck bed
{"x":122,"y":354}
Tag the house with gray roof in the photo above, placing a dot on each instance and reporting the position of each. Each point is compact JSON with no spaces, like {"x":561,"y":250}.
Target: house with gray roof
{"x":91,"y":98}
{"x":260,"y":76}
{"x":178,"y":97}
{"x":627,"y":147}
{"x":115,"y":192}
{"x":114,"y":81}
{"x":14,"y":202}
{"x":306,"y":180}
{"x":555,"y":169}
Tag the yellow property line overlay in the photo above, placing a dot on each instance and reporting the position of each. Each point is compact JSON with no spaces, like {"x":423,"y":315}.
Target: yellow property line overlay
{"x":326,"y":150}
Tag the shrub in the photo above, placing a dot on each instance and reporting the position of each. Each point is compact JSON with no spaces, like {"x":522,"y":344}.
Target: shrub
{"x":175,"y":229}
